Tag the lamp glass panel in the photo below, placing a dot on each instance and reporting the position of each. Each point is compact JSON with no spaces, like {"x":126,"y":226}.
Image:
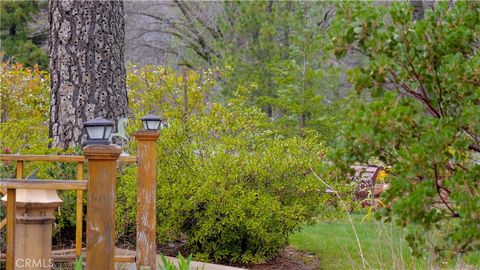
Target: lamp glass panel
{"x":153,"y":124}
{"x":108,"y":131}
{"x":144,"y":124}
{"x":95,"y":132}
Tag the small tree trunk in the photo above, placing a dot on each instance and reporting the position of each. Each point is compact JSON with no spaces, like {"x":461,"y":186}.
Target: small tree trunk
{"x":87,"y":69}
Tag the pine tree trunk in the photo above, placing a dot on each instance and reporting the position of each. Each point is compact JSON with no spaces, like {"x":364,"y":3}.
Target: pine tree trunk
{"x":87,"y":71}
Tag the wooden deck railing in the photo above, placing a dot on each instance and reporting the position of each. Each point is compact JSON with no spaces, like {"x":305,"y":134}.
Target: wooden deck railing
{"x":80,"y":160}
{"x":8,"y":186}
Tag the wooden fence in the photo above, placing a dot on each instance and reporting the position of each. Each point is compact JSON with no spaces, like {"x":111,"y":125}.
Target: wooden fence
{"x":100,"y":187}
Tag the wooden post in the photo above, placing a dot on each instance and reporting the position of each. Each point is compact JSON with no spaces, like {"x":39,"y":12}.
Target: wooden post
{"x":35,"y":214}
{"x":19,"y":169}
{"x":146,"y":199}
{"x":101,"y":205}
{"x":79,"y":213}
{"x":11,"y":194}
{"x":11,"y":209}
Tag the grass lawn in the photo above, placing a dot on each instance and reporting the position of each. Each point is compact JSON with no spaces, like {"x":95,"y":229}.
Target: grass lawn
{"x":382,"y":244}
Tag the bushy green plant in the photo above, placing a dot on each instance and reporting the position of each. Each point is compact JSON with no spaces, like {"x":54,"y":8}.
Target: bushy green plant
{"x":227,"y":182}
{"x":126,"y":206}
{"x":24,"y":103}
{"x":183,"y":263}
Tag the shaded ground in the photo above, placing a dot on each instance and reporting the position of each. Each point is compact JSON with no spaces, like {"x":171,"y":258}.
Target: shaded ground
{"x":290,"y":259}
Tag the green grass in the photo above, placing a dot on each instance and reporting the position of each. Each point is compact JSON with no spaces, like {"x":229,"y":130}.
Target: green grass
{"x":382,"y":245}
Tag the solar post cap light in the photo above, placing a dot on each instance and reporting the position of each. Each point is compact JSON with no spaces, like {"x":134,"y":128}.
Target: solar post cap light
{"x":151,"y":122}
{"x":98,"y":130}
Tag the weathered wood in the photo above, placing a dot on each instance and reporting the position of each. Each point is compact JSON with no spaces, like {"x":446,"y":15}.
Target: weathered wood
{"x":53,"y":158}
{"x":59,"y":158}
{"x":11,"y":198}
{"x":79,"y":213}
{"x":124,"y":259}
{"x":146,"y":198}
{"x":366,"y":177}
{"x":73,"y":257}
{"x":127,"y":159}
{"x":33,"y":227}
{"x":101,"y":205}
{"x":3,"y":223}
{"x":19,"y":170}
{"x":43,"y":184}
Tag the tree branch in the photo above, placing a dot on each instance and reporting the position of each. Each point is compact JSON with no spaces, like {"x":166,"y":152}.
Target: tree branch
{"x":419,"y":96}
{"x":437,"y":186}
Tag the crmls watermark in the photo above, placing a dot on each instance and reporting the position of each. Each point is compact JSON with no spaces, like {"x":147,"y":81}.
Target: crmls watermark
{"x":28,"y":263}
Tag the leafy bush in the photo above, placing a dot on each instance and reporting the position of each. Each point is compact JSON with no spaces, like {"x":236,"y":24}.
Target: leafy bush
{"x":24,"y":100}
{"x":227,"y":182}
{"x":423,"y":121}
{"x":126,"y":207}
{"x":24,"y":103}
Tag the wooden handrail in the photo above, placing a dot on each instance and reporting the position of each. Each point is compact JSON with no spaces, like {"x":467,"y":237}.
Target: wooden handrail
{"x":100,"y":165}
{"x":79,"y":213}
{"x":72,"y":258}
{"x":127,"y":159}
{"x":59,"y":158}
{"x":43,"y":184}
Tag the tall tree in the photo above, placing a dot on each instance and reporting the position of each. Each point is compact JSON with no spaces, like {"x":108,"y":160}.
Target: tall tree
{"x":87,"y":66}
{"x":278,"y":47}
{"x":273,"y":46}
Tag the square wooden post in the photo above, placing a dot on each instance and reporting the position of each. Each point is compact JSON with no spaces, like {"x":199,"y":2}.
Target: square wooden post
{"x":146,"y":199}
{"x":102,"y":168}
{"x":11,"y":208}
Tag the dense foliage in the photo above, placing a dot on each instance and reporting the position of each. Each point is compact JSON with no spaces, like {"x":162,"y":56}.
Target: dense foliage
{"x":279,"y":47}
{"x":227,"y":181}
{"x":235,"y":162}
{"x":24,"y":101}
{"x":24,"y":96}
{"x":423,"y":120}
{"x":18,"y":44}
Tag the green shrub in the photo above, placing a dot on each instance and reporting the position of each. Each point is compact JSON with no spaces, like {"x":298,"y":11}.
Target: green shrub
{"x":227,"y":182}
{"x":24,"y":104}
{"x":126,"y":206}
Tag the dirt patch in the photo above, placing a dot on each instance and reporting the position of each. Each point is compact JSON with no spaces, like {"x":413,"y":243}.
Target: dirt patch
{"x":172,"y":249}
{"x":290,"y":259}
{"x":287,"y":259}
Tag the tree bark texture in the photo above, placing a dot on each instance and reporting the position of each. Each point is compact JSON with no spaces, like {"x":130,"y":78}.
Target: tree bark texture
{"x":87,"y":71}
